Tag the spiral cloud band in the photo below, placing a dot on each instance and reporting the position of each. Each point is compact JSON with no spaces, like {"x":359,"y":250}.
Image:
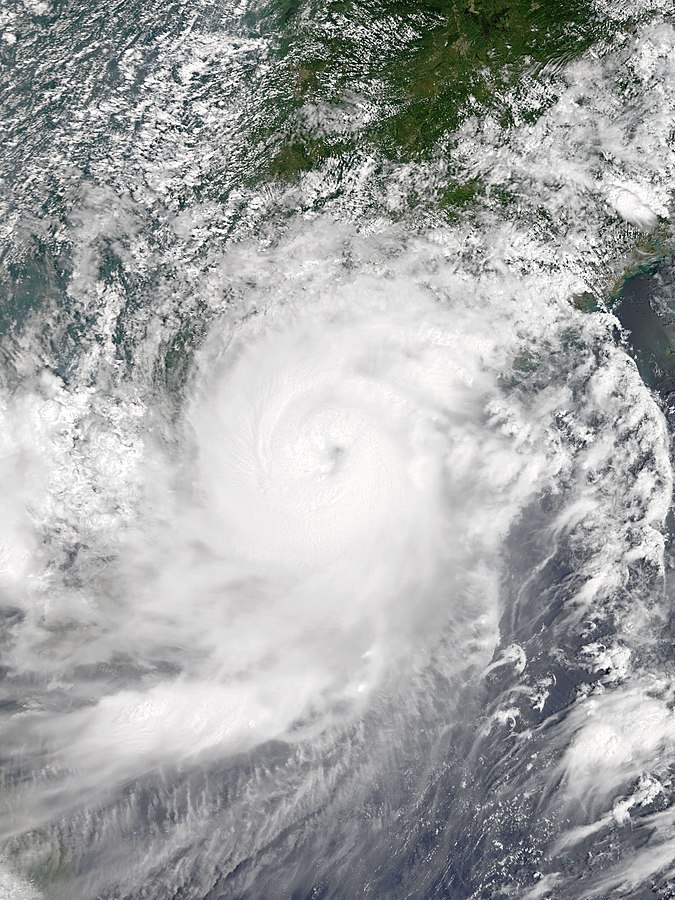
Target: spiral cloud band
{"x":329,"y":524}
{"x":325,"y":521}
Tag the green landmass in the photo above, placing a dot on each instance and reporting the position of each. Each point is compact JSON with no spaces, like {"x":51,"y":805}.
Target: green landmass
{"x":425,"y":66}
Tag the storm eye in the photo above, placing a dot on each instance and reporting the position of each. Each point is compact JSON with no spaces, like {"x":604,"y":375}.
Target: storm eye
{"x":336,"y":455}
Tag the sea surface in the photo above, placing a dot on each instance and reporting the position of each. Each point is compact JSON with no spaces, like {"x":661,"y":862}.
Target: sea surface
{"x":337,"y":393}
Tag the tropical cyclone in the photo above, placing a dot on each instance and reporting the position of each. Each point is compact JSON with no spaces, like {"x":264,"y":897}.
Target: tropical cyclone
{"x":344,"y":486}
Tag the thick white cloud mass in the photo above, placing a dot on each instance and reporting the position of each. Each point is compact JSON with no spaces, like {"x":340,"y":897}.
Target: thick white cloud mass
{"x":311,"y":550}
{"x":332,"y":507}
